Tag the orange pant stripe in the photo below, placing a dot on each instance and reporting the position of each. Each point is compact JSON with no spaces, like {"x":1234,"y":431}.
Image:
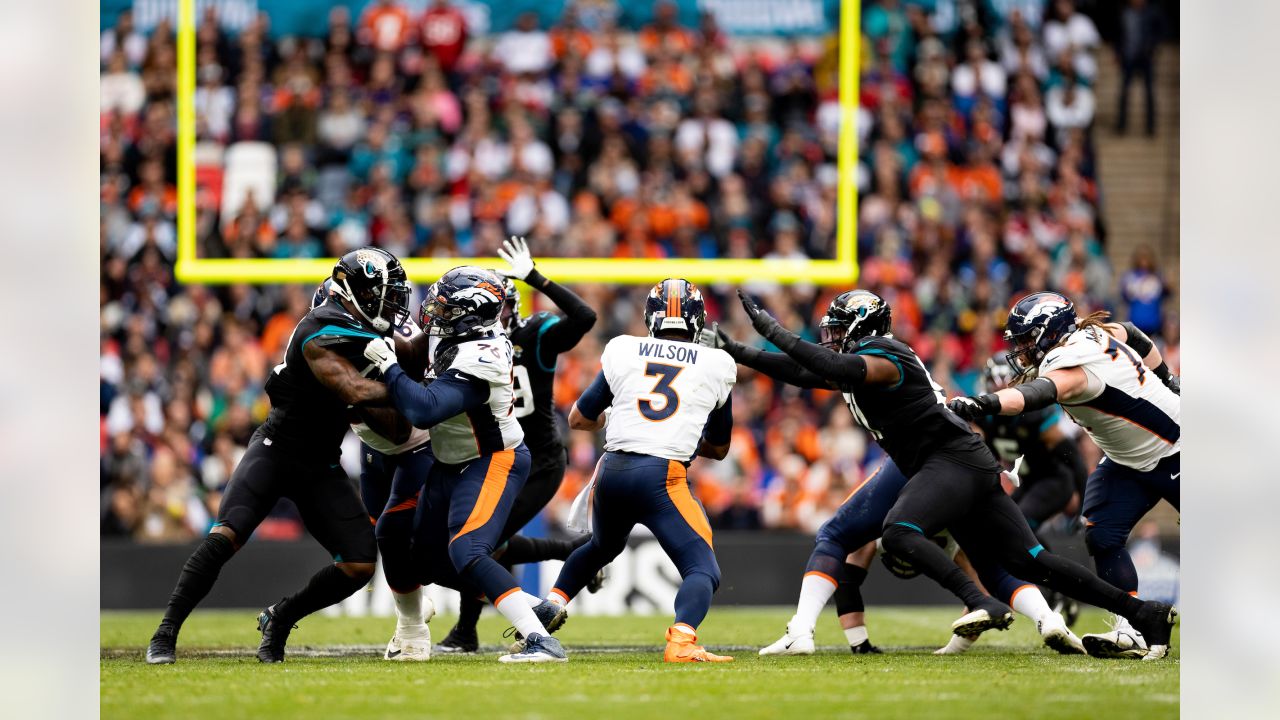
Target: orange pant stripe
{"x":690,"y":510}
{"x":495,"y":482}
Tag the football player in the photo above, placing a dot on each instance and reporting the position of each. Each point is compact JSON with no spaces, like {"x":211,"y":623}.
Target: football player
{"x":294,"y":454}
{"x":537,"y":342}
{"x":661,"y":400}
{"x":481,"y":459}
{"x":954,"y":479}
{"x":395,"y":459}
{"x":852,"y":316}
{"x":1100,"y":372}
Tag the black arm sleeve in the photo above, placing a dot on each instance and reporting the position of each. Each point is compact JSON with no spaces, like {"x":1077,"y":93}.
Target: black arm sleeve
{"x":777,"y":366}
{"x":578,"y":319}
{"x":1039,"y":393}
{"x":842,"y":369}
{"x":1138,"y":340}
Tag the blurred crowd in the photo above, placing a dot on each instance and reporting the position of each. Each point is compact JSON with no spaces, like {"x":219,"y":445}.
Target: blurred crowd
{"x":977,"y":182}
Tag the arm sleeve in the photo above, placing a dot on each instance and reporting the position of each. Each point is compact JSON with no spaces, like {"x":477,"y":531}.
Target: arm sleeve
{"x":1037,"y":394}
{"x":563,"y":333}
{"x":596,"y":398}
{"x":450,"y":394}
{"x":720,"y":424}
{"x":778,"y":366}
{"x":842,"y":369}
{"x":1137,"y":339}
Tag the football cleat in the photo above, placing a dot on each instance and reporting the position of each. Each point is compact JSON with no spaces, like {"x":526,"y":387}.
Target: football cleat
{"x":597,"y":582}
{"x":865,"y":648}
{"x":957,"y":645}
{"x":163,"y":649}
{"x":682,"y":647}
{"x":1123,"y":642}
{"x":1070,"y":609}
{"x":1155,"y":621}
{"x":992,"y":615}
{"x":1056,"y":635}
{"x":537,"y":649}
{"x":459,"y":641}
{"x":275,"y":633}
{"x":791,"y":643}
{"x":409,"y":644}
{"x":552,"y":617}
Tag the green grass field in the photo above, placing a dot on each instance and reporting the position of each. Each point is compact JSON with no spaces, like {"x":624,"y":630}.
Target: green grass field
{"x":615,"y":672}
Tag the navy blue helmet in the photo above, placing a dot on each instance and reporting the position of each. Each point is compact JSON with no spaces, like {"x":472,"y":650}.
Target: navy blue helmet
{"x":852,"y":316}
{"x":375,"y":283}
{"x":1036,"y":324}
{"x":464,"y":301}
{"x":675,"y":305}
{"x":322,"y":293}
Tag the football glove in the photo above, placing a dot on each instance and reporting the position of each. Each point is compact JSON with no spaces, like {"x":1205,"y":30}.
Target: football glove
{"x":712,"y":337}
{"x":972,"y":408}
{"x":516,"y":252}
{"x":381,"y":352}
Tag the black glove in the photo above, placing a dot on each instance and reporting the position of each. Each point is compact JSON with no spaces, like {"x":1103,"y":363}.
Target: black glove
{"x":763,"y":322}
{"x":972,"y":408}
{"x":1174,"y":383}
{"x":753,"y":310}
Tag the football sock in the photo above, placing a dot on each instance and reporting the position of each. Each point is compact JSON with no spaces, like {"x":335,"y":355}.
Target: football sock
{"x":517,"y":611}
{"x":521,"y":549}
{"x":815,"y":590}
{"x":1074,"y":580}
{"x":558,"y":597}
{"x":693,"y":600}
{"x":327,"y":587}
{"x":492,"y":579}
{"x":1116,"y":567}
{"x":533,"y":600}
{"x":856,"y":635}
{"x":408,"y":607}
{"x":1030,"y":602}
{"x":912,"y":546}
{"x":581,"y":566}
{"x":469,"y":612}
{"x":197,"y":578}
{"x":849,"y":590}
{"x":393,"y":532}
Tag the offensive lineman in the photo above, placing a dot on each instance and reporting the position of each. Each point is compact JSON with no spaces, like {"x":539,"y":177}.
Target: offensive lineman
{"x":537,"y":342}
{"x":295,"y":453}
{"x":953,"y":482}
{"x":1099,"y":372}
{"x":662,"y":400}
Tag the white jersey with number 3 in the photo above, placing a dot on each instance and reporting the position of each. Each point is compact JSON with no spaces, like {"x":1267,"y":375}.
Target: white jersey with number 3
{"x":1127,"y":411}
{"x":663,"y":392}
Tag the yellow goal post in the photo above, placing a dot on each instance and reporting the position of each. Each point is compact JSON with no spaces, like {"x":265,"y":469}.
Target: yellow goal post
{"x":843,"y":270}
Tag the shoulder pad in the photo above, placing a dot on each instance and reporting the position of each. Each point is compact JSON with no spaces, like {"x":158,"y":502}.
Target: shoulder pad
{"x":1081,"y":347}
{"x":488,"y":360}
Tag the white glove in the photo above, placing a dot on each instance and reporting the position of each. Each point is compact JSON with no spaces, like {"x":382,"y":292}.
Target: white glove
{"x":516,"y":252}
{"x":381,"y":352}
{"x":708,"y":337}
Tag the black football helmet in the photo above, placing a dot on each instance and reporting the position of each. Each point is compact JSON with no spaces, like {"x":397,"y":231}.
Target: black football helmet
{"x":374,"y":281}
{"x":1036,"y":324}
{"x":464,"y":301}
{"x":997,"y":374}
{"x":510,"y":316}
{"x":852,"y":316}
{"x":322,"y":293}
{"x":675,"y":305}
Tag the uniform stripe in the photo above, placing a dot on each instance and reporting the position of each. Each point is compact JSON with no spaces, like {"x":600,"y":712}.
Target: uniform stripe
{"x":495,"y":482}
{"x":409,"y":504}
{"x":1137,"y":411}
{"x":690,"y":510}
{"x":1019,"y":589}
{"x":335,"y":330}
{"x":824,"y":576}
{"x":863,"y":483}
{"x":673,"y":299}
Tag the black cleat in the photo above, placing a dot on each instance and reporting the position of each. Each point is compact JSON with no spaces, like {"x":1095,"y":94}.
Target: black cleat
{"x":597,"y":582}
{"x":865,"y":648}
{"x":1155,"y":620}
{"x":163,"y":649}
{"x":275,"y":633}
{"x":459,"y":641}
{"x":552,"y":617}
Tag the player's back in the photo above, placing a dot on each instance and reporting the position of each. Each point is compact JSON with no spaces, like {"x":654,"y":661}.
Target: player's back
{"x":305,"y":415}
{"x":1127,"y":411}
{"x":490,"y":427}
{"x":663,"y":393}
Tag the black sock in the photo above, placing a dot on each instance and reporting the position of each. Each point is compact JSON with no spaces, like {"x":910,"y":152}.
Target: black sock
{"x":931,"y":560}
{"x":469,"y":613}
{"x":327,"y":587}
{"x":197,"y":578}
{"x":521,"y":549}
{"x":849,"y":590}
{"x":1074,"y":580}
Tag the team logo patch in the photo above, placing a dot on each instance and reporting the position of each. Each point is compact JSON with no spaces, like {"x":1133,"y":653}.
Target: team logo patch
{"x":374,"y":264}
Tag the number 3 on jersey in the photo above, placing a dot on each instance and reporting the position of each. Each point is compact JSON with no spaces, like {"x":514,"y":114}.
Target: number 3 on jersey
{"x":666,"y":375}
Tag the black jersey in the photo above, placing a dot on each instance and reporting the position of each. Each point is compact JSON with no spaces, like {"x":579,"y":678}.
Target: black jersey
{"x":910,"y":418}
{"x":535,"y":375}
{"x":305,"y":415}
{"x":1011,"y":436}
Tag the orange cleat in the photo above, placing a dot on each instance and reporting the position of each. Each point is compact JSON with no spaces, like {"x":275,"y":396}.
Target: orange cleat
{"x":682,"y":647}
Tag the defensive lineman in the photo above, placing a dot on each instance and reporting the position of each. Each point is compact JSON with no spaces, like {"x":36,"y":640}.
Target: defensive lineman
{"x":661,"y":400}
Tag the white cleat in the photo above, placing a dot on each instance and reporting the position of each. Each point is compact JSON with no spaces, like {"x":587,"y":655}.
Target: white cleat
{"x":1056,"y":635}
{"x":958,"y":645}
{"x":1122,"y":642}
{"x":981,"y":620}
{"x":409,"y":644}
{"x":791,"y":644}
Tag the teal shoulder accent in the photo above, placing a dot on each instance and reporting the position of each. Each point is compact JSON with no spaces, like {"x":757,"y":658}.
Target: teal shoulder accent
{"x":902,"y":374}
{"x":335,"y":330}
{"x":537,"y":345}
{"x":1051,"y":419}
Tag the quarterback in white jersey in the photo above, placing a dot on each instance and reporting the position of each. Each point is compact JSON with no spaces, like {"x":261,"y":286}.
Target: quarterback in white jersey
{"x":1111,"y":380}
{"x":661,"y":400}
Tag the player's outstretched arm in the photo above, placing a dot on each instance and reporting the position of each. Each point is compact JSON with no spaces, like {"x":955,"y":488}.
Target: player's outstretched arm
{"x":579,"y":318}
{"x":837,"y":368}
{"x":778,"y":366}
{"x":1056,"y":385}
{"x":341,"y":377}
{"x":424,"y":406}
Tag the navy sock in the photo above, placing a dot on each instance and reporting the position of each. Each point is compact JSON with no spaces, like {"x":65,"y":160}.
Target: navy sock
{"x":581,"y":567}
{"x":492,"y":579}
{"x":849,"y":590}
{"x":1116,"y":567}
{"x":197,"y":578}
{"x":693,"y":601}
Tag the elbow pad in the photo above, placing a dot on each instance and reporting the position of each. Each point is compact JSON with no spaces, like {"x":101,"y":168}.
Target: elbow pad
{"x":1039,"y":393}
{"x":1138,"y":340}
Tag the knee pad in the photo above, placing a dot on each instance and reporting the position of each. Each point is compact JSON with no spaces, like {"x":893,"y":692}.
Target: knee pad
{"x":895,"y":535}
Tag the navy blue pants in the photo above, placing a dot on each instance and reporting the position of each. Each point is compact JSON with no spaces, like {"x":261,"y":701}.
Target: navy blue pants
{"x":395,"y":481}
{"x":1115,"y":499}
{"x":636,"y":489}
{"x":459,"y":521}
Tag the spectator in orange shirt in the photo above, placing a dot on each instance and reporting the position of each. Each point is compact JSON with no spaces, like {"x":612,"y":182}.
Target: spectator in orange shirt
{"x":385,"y":26}
{"x":568,"y":37}
{"x":665,"y":33}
